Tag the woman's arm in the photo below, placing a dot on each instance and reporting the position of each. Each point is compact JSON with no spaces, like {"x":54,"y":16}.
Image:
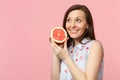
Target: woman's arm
{"x":55,"y":68}
{"x":93,"y":64}
{"x":94,"y":61}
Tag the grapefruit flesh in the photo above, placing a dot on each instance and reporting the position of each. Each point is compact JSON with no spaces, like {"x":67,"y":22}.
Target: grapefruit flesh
{"x":58,"y":34}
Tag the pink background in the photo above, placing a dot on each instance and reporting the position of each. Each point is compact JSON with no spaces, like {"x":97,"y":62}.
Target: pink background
{"x":25,"y":53}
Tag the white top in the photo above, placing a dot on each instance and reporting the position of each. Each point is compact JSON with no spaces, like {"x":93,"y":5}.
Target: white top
{"x":80,"y":56}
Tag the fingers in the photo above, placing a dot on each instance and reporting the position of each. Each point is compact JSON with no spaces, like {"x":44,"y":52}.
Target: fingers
{"x":65,"y":43}
{"x":55,"y":46}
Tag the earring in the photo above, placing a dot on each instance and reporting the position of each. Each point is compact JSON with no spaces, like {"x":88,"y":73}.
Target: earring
{"x":87,"y":27}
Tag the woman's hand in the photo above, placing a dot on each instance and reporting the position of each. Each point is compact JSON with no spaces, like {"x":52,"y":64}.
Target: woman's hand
{"x":55,"y":67}
{"x":60,"y":50}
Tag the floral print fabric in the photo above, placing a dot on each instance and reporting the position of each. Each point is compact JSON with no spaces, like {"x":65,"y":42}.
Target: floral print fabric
{"x":80,"y":56}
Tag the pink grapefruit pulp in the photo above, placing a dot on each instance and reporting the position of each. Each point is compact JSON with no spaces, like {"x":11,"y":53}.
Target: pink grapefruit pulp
{"x":58,"y":34}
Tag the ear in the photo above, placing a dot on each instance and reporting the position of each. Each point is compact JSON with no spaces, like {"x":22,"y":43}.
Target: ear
{"x":87,"y":26}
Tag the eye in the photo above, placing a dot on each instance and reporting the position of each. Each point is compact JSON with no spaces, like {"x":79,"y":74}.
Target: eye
{"x":68,"y":20}
{"x":78,"y":20}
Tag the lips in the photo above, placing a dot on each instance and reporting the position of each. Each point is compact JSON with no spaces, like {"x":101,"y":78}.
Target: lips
{"x":73,"y":31}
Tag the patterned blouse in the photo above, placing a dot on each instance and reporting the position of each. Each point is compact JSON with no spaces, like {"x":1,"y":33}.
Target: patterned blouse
{"x":80,"y":56}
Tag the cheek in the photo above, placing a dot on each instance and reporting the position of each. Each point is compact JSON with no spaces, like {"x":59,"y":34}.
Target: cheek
{"x":83,"y":30}
{"x":82,"y":27}
{"x":66,"y":25}
{"x":67,"y":30}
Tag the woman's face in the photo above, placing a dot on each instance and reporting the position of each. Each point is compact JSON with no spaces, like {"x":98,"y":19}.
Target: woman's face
{"x":76,"y":24}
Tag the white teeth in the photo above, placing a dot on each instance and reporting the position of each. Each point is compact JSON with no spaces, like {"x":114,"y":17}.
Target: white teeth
{"x":73,"y":30}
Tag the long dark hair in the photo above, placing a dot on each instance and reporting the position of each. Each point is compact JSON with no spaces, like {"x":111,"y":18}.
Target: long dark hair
{"x":89,"y":33}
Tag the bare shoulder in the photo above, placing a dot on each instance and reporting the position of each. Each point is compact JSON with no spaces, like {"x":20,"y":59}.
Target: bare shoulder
{"x":97,"y":43}
{"x":97,"y":47}
{"x":94,"y":60}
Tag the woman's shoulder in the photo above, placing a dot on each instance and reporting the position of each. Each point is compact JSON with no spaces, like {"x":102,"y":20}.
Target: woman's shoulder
{"x":97,"y":47}
{"x":90,"y":42}
{"x":96,"y":43}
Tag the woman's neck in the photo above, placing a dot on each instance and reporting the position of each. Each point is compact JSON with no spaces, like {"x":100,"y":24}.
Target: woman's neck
{"x":77,"y":41}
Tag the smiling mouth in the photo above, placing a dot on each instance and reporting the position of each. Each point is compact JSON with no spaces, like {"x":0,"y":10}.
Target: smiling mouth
{"x":73,"y":31}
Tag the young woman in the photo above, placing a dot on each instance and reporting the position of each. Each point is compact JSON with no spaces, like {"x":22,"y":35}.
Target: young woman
{"x":81,"y":57}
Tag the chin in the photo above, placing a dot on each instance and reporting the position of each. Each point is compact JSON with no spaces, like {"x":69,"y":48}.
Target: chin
{"x":75,"y":37}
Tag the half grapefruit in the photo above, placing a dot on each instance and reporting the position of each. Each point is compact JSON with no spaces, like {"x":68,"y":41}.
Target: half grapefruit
{"x":58,"y":34}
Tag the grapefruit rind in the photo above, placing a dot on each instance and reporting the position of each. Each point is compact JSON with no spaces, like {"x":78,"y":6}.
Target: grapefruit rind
{"x":55,"y":40}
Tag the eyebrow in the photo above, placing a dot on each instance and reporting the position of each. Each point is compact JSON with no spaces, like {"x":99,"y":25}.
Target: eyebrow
{"x":80,"y":17}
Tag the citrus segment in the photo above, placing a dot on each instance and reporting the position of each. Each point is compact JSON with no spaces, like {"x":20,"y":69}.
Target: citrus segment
{"x":58,"y":34}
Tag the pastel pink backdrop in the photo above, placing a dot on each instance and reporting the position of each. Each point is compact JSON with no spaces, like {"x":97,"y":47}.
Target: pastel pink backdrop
{"x":25,"y":53}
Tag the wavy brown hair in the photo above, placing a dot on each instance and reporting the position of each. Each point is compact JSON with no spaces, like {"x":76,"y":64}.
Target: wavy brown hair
{"x":89,"y":33}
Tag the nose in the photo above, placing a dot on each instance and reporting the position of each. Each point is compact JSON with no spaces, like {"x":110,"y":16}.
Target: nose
{"x":73,"y":24}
